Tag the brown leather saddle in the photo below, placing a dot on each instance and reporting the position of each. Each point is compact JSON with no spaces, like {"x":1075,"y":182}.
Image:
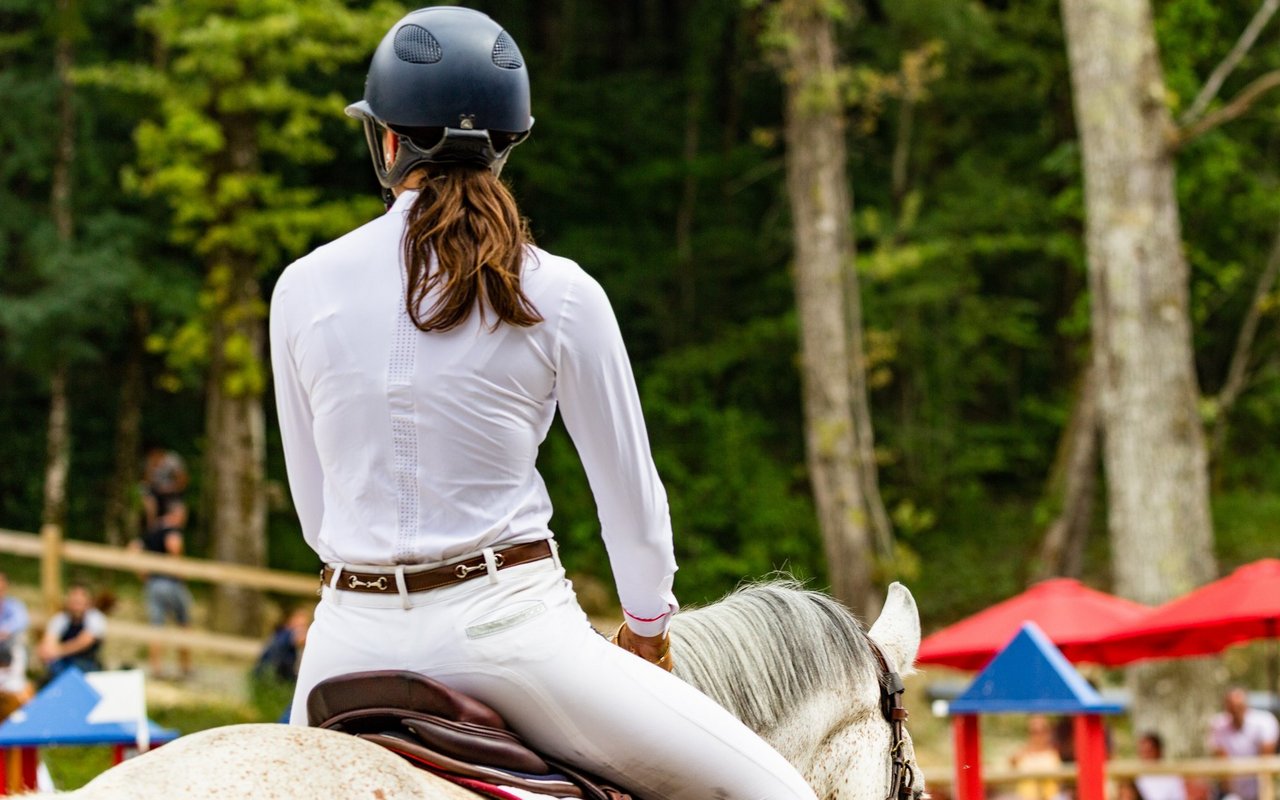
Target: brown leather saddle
{"x":445,"y":732}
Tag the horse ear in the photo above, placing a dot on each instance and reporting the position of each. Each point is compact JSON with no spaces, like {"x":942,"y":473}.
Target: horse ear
{"x":897,"y":630}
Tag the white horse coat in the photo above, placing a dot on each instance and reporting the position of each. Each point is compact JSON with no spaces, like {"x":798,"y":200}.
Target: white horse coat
{"x":792,"y":664}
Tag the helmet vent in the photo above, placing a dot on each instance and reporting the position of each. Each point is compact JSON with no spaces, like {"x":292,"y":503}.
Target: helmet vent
{"x":506,"y":54}
{"x":416,"y":45}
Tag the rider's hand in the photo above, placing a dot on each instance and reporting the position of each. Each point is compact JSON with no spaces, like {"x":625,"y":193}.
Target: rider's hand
{"x":654,"y":649}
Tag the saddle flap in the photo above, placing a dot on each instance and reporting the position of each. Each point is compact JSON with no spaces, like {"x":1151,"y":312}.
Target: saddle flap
{"x":406,"y":747}
{"x":394,"y":690}
{"x":476,"y":744}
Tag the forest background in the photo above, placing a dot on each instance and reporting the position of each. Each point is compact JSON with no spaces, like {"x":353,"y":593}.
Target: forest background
{"x":164,"y":161}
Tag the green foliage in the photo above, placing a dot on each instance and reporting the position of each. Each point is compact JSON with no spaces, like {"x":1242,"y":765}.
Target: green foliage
{"x":240,"y":100}
{"x":211,"y":144}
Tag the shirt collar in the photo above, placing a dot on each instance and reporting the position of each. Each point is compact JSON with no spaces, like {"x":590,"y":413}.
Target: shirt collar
{"x":405,"y":200}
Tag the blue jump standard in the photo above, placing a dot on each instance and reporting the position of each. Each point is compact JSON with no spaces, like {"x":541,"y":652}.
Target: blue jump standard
{"x":59,"y":714}
{"x":1030,"y":676}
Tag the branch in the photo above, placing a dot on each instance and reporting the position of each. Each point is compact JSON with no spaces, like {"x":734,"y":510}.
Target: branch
{"x":1238,"y":105}
{"x":1223,"y":70}
{"x":1237,"y":376}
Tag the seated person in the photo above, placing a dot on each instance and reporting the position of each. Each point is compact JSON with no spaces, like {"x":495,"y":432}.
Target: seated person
{"x":279,"y":660}
{"x":73,"y":636}
{"x":1039,"y":754}
{"x":1157,"y":787}
{"x":276,"y":672}
{"x":13,"y":616}
{"x":1242,"y":732}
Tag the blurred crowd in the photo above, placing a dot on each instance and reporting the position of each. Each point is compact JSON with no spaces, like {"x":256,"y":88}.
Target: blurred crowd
{"x":1237,"y":731}
{"x":74,"y":635}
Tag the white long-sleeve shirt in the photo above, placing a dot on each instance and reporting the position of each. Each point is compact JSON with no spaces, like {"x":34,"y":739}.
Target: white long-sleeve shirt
{"x":404,"y":447}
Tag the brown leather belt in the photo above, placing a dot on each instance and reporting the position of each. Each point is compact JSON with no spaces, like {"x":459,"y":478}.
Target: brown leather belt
{"x":424,"y":580}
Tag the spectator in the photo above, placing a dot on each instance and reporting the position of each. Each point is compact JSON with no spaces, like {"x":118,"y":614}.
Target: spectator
{"x":74,"y":635}
{"x":276,"y":673}
{"x":13,"y":615}
{"x":279,"y":660}
{"x":1039,"y":754}
{"x":1242,"y":732}
{"x":164,"y":481}
{"x":1157,"y":787}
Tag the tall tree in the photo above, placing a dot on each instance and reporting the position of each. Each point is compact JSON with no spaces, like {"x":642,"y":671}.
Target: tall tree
{"x":241,"y":103}
{"x":1153,"y":444}
{"x":827,"y":298}
{"x":58,"y":442}
{"x":120,"y":515}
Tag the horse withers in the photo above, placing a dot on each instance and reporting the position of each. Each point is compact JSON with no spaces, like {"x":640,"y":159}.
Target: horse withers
{"x":794,"y":665}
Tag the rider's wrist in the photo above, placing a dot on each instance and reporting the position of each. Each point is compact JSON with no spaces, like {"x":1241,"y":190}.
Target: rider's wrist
{"x":640,"y":625}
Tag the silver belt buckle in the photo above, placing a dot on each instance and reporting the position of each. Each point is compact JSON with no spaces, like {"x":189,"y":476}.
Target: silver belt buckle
{"x":462,"y":571}
{"x":380,"y":584}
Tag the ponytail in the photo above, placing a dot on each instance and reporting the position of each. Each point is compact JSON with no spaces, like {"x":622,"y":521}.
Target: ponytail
{"x":468,"y":219}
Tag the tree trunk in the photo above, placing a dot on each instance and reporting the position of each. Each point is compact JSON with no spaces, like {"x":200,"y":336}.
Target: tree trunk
{"x":120,"y":519}
{"x":58,"y":438}
{"x":864,"y":433}
{"x":1153,"y":445}
{"x":57,"y":451}
{"x":236,"y":460}
{"x":1074,"y":483}
{"x":820,"y":209}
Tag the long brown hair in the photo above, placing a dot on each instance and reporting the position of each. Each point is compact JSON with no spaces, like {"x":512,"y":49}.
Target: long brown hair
{"x":469,"y":220}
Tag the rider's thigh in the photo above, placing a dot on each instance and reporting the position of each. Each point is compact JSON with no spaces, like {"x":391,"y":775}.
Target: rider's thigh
{"x":576,"y":697}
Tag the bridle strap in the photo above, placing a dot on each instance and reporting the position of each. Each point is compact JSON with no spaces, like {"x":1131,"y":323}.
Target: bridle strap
{"x":901,"y":777}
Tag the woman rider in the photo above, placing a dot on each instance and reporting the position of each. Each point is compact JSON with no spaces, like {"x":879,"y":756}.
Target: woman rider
{"x":418,"y":363}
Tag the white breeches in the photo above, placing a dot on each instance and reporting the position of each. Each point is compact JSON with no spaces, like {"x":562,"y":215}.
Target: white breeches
{"x":517,"y":640}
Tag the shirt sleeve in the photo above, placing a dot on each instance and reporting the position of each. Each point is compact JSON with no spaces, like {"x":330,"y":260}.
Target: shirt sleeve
{"x":302,"y":460}
{"x":15,"y":619}
{"x":1268,"y":729}
{"x":95,"y":622}
{"x":601,"y":409}
{"x":58,"y":625}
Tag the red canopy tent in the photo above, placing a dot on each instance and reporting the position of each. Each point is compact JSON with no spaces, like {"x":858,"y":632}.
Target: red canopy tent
{"x":1243,"y":606}
{"x":1072,"y":615}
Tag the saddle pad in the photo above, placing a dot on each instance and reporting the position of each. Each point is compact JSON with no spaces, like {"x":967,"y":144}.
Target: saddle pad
{"x":394,"y":689}
{"x":554,"y":785}
{"x":495,"y":748}
{"x":497,"y":792}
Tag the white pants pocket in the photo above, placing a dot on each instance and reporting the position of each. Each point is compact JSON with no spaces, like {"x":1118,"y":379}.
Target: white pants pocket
{"x":504,"y":618}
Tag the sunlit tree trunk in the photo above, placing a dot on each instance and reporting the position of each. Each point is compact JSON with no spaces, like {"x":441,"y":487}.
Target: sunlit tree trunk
{"x":821,"y":208}
{"x":1153,"y":445}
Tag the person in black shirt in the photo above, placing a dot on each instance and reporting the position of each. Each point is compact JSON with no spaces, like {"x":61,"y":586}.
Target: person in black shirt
{"x":165,"y":479}
{"x":73,"y":636}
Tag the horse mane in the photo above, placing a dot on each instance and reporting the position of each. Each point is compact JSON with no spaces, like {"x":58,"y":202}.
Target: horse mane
{"x":768,"y":647}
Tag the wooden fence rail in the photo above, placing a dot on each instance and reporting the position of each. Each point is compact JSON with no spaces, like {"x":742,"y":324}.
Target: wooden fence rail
{"x":53,"y":551}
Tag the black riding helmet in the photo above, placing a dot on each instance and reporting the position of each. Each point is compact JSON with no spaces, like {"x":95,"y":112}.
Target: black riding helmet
{"x":452,"y":85}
